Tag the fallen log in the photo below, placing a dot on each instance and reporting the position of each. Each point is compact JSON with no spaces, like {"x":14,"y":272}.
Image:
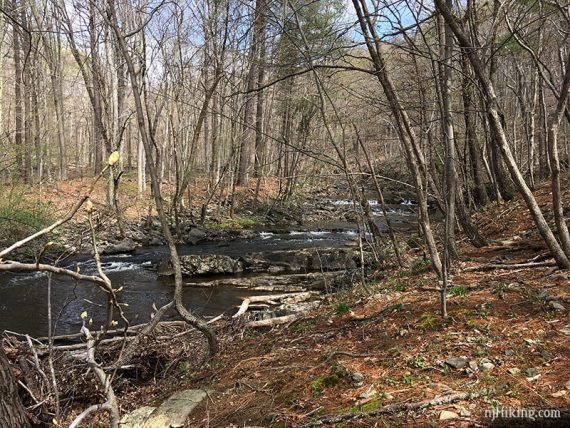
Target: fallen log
{"x":270,"y":322}
{"x":494,"y":266}
{"x":397,"y":407}
{"x":271,"y":299}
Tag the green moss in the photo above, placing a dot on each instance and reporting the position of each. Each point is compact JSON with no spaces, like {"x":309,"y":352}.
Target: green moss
{"x":235,"y":224}
{"x":323,"y":382}
{"x":338,"y":372}
{"x":374,"y":404}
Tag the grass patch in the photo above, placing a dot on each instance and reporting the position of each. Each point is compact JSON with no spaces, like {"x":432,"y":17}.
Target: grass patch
{"x":429,"y":322}
{"x":303,"y":326}
{"x":342,"y":308}
{"x":457,"y":291}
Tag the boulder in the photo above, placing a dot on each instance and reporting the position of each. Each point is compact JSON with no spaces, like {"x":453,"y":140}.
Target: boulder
{"x":206,"y":264}
{"x":195,"y":235}
{"x":171,"y":413}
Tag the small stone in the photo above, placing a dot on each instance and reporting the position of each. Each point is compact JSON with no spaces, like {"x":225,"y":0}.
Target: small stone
{"x":356,"y":377}
{"x":509,"y":352}
{"x":456,"y":362}
{"x":531,"y":372}
{"x":565,"y":330}
{"x":557,"y":305}
{"x":388,"y":396}
{"x":547,"y":356}
{"x":446,"y":415}
{"x":486,"y":365}
{"x":367,"y":394}
{"x":473,"y":366}
{"x":464,"y":413}
{"x":514,"y":371}
{"x":559,"y":394}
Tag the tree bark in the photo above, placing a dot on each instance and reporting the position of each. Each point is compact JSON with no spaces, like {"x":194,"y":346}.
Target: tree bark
{"x":12,"y":412}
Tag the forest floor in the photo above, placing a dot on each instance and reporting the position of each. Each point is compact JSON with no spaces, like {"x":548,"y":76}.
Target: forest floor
{"x":385,"y":343}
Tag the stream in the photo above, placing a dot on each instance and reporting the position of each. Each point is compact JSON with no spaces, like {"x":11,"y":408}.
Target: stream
{"x":23,"y":297}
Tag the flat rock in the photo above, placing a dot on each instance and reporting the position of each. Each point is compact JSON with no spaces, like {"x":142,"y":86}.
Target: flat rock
{"x":456,"y":362}
{"x":557,"y":305}
{"x":446,"y":415}
{"x":175,"y":410}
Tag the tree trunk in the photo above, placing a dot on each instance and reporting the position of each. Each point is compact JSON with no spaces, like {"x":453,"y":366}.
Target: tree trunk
{"x":19,"y":102}
{"x":481,"y":197}
{"x":12,"y":412}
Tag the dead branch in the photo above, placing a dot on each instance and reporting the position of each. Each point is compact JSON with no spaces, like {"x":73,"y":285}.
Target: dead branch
{"x":270,"y":322}
{"x":494,"y":266}
{"x":271,"y":299}
{"x":110,"y":405}
{"x":398,"y":407}
{"x":13,"y":266}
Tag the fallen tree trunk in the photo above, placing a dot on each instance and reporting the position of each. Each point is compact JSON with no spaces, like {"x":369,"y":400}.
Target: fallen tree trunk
{"x":271,"y":299}
{"x":398,"y":407}
{"x":494,"y":266}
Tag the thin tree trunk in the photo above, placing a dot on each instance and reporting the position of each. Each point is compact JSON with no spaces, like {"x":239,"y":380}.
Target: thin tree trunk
{"x":194,"y":321}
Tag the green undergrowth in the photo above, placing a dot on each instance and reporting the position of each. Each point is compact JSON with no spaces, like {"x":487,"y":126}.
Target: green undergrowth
{"x":21,"y":216}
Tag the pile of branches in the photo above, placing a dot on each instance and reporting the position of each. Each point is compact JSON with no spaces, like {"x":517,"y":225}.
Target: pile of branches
{"x":171,"y":348}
